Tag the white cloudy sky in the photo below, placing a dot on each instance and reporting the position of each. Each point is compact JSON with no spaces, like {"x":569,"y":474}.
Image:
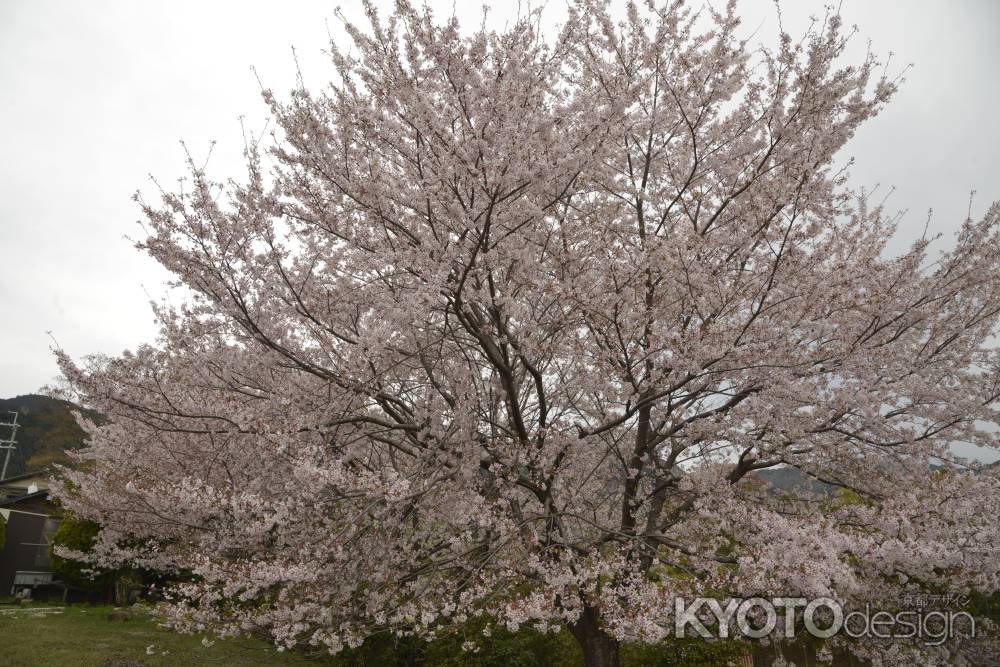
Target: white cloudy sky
{"x":94,"y":96}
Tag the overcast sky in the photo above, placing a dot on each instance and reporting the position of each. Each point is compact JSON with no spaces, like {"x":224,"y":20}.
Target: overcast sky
{"x":95,"y":96}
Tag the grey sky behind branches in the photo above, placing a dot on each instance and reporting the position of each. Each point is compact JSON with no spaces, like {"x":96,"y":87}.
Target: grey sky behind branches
{"x":95,"y":96}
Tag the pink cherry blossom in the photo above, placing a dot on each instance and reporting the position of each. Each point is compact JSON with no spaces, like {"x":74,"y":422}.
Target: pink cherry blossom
{"x":504,"y":324}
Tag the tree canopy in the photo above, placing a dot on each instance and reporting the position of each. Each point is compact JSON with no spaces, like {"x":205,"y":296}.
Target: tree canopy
{"x":502,"y":323}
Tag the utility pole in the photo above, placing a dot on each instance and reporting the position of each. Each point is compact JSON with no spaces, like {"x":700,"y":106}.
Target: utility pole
{"x":10,"y":444}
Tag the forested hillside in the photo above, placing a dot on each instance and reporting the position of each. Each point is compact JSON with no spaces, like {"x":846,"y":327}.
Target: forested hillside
{"x":46,"y":429}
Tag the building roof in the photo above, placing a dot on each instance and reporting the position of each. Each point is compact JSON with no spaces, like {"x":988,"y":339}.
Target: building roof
{"x":27,"y":475}
{"x":42,"y":495}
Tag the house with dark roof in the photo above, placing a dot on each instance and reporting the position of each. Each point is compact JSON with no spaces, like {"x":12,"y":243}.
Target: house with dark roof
{"x":22,"y":485}
{"x":31,"y":520}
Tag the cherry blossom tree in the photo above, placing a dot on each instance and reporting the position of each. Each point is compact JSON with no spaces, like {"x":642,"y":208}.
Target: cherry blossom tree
{"x":504,"y":324}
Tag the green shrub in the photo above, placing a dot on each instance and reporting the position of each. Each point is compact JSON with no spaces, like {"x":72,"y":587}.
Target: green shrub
{"x":79,"y":535}
{"x":524,"y":648}
{"x":686,"y":652}
{"x":527,"y":648}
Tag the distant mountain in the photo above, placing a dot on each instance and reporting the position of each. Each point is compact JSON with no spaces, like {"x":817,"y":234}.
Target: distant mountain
{"x":787,"y":478}
{"x":46,"y":430}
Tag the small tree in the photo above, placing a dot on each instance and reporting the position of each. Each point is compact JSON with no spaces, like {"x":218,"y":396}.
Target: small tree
{"x":76,"y":535}
{"x":503,"y":324}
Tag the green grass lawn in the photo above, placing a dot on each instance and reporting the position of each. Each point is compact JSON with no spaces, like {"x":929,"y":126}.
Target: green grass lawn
{"x":83,"y":636}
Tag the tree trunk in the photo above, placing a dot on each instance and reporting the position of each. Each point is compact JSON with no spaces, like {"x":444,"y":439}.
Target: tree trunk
{"x":599,"y":648}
